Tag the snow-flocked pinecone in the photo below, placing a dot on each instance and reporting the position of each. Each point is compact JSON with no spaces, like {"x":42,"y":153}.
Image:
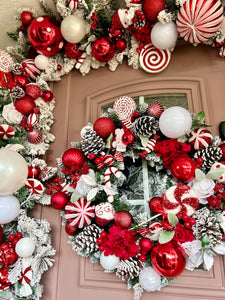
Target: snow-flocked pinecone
{"x":129,"y":268}
{"x":85,"y":242}
{"x":210,"y":155}
{"x":91,"y":142}
{"x":206,"y":224}
{"x":18,"y":92}
{"x":146,"y":126}
{"x":16,"y":69}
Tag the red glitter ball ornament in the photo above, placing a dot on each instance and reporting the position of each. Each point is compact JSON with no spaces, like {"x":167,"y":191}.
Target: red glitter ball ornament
{"x":73,"y":157}
{"x":34,"y":171}
{"x":104,"y":127}
{"x":155,"y":109}
{"x":8,"y":255}
{"x":25,"y":105}
{"x":121,"y":44}
{"x":33,"y":90}
{"x":145,"y":245}
{"x":20,"y":80}
{"x":151,"y":9}
{"x":26,"y":17}
{"x":47,"y":96}
{"x":128,"y":138}
{"x":183,"y":168}
{"x":103,"y":49}
{"x":45,"y":35}
{"x":72,"y":50}
{"x":168,"y":259}
{"x":35,"y":136}
{"x":71,"y":230}
{"x":59,"y":200}
{"x":123,"y":219}
{"x":155,"y":205}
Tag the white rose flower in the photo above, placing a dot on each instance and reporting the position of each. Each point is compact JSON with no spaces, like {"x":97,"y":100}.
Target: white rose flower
{"x":11,"y":115}
{"x":204,"y":188}
{"x":82,"y":187}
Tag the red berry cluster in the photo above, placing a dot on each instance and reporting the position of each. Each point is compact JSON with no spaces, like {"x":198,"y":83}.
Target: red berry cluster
{"x":145,"y":246}
{"x":135,"y":115}
{"x":98,"y":160}
{"x":139,"y":19}
{"x":100,"y":240}
{"x":188,"y":222}
{"x":199,"y":161}
{"x":15,"y":238}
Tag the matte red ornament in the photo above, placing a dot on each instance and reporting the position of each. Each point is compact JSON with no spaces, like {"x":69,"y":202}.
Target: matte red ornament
{"x":145,"y":245}
{"x":128,"y":138}
{"x":45,"y":35}
{"x":103,"y":49}
{"x":168,"y":259}
{"x":1,"y":234}
{"x":34,"y":171}
{"x":8,"y":255}
{"x":34,"y":136}
{"x":183,"y":168}
{"x":33,"y":90}
{"x":25,"y":105}
{"x":151,"y":9}
{"x":59,"y":200}
{"x":20,"y":80}
{"x":72,"y":50}
{"x":73,"y":157}
{"x":121,"y":44}
{"x":47,"y":96}
{"x":155,"y":205}
{"x":26,"y":17}
{"x":223,"y":149}
{"x":123,"y":219}
{"x":71,"y":230}
{"x":104,"y":127}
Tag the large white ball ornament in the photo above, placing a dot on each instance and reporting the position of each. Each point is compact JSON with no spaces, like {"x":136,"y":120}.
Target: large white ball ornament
{"x":149,"y":279}
{"x":41,"y":62}
{"x":9,"y":209}
{"x":109,"y":262}
{"x":25,"y":247}
{"x":13,"y":171}
{"x":164,"y":36}
{"x":175,"y":122}
{"x":73,"y":29}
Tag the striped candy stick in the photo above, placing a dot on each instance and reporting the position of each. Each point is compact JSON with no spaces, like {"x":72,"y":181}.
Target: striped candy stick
{"x":108,"y":173}
{"x":150,"y":146}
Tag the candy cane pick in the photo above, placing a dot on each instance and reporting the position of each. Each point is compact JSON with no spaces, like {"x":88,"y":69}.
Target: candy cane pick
{"x":108,"y":173}
{"x":150,"y":146}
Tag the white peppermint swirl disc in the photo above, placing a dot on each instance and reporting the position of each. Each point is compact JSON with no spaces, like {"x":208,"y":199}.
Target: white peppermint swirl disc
{"x":124,"y":107}
{"x":6,"y":61}
{"x":154,"y":60}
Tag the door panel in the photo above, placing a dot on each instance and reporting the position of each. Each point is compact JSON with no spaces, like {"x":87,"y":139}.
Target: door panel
{"x":196,"y":72}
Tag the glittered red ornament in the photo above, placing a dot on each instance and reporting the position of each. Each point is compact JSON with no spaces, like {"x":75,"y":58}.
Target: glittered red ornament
{"x":73,"y":157}
{"x":45,"y":35}
{"x":59,"y":200}
{"x":20,"y":80}
{"x":25,"y":105}
{"x":4,"y":282}
{"x":103,"y":49}
{"x":71,"y":230}
{"x":223,"y":149}
{"x":33,"y":90}
{"x":121,"y":44}
{"x":34,"y":171}
{"x":26,"y":17}
{"x":151,"y":9}
{"x":47,"y":96}
{"x":1,"y":234}
{"x":104,"y":127}
{"x":123,"y":219}
{"x":168,"y":259}
{"x":72,"y":50}
{"x":183,"y":168}
{"x":128,"y":138}
{"x":145,"y":245}
{"x":34,"y":136}
{"x":8,"y":255}
{"x":155,"y":205}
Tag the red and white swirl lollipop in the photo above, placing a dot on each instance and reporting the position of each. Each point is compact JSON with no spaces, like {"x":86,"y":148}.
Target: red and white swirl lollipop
{"x":154,"y":60}
{"x":124,"y":107}
{"x":180,"y":199}
{"x":6,"y":61}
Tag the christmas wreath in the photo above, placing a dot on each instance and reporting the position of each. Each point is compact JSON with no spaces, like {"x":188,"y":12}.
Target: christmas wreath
{"x":143,"y":182}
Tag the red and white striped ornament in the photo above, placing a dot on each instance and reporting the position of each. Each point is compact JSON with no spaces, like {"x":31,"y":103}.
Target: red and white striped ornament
{"x":155,"y":109}
{"x":80,"y":213}
{"x":35,"y":186}
{"x":72,"y":4}
{"x":199,"y":20}
{"x":149,"y":148}
{"x":6,"y":132}
{"x":180,"y":199}
{"x":32,"y":119}
{"x":154,"y":60}
{"x":26,"y":276}
{"x":6,"y":62}
{"x":31,"y":69}
{"x":200,"y":138}
{"x":81,"y":60}
{"x":108,"y":173}
{"x":124,"y":108}
{"x":34,"y":136}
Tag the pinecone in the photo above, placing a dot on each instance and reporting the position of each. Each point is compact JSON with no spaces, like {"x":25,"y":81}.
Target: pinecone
{"x":91,"y":142}
{"x":16,"y":69}
{"x":210,"y":156}
{"x":146,"y":126}
{"x":18,"y":92}
{"x":85,"y":242}
{"x":206,"y":224}
{"x":129,"y":268}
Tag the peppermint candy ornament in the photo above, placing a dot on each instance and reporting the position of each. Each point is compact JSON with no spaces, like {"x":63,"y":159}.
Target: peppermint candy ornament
{"x":199,"y":20}
{"x":104,"y":213}
{"x":35,"y":186}
{"x":31,"y":69}
{"x":6,"y":132}
{"x":80,"y":213}
{"x":72,"y":4}
{"x":124,"y":107}
{"x":180,"y":199}
{"x":6,"y":62}
{"x":200,"y":138}
{"x":32,"y":119}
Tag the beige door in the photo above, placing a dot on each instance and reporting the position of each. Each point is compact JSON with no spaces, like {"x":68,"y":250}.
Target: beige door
{"x":196,"y":72}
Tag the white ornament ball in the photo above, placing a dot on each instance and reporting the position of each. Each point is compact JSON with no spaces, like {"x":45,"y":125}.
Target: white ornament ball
{"x":41,"y":62}
{"x":175,"y":122}
{"x":109,"y":262}
{"x":149,"y":279}
{"x":73,"y":29}
{"x":9,"y":209}
{"x":164,"y":36}
{"x":25,"y":247}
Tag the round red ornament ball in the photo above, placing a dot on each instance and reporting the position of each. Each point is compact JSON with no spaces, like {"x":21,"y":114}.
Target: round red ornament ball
{"x":45,"y":35}
{"x":183,"y":168}
{"x":47,"y":96}
{"x":59,"y":200}
{"x":155,"y":205}
{"x":34,"y":136}
{"x":73,"y":157}
{"x":33,"y":90}
{"x":34,"y":171}
{"x":151,"y":9}
{"x":104,"y":127}
{"x":121,"y":44}
{"x":8,"y":255}
{"x":103,"y":49}
{"x":25,"y":105}
{"x":72,"y":50}
{"x":128,"y":138}
{"x":21,"y":81}
{"x":145,"y":245}
{"x":168,"y":259}
{"x":71,"y":230}
{"x":123,"y":219}
{"x":26,"y":17}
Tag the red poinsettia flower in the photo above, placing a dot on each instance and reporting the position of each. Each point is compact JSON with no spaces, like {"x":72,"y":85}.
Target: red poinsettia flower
{"x":182,"y":234}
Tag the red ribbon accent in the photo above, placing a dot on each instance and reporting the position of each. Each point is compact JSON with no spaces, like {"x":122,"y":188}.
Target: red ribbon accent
{"x":24,"y":277}
{"x":24,"y":124}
